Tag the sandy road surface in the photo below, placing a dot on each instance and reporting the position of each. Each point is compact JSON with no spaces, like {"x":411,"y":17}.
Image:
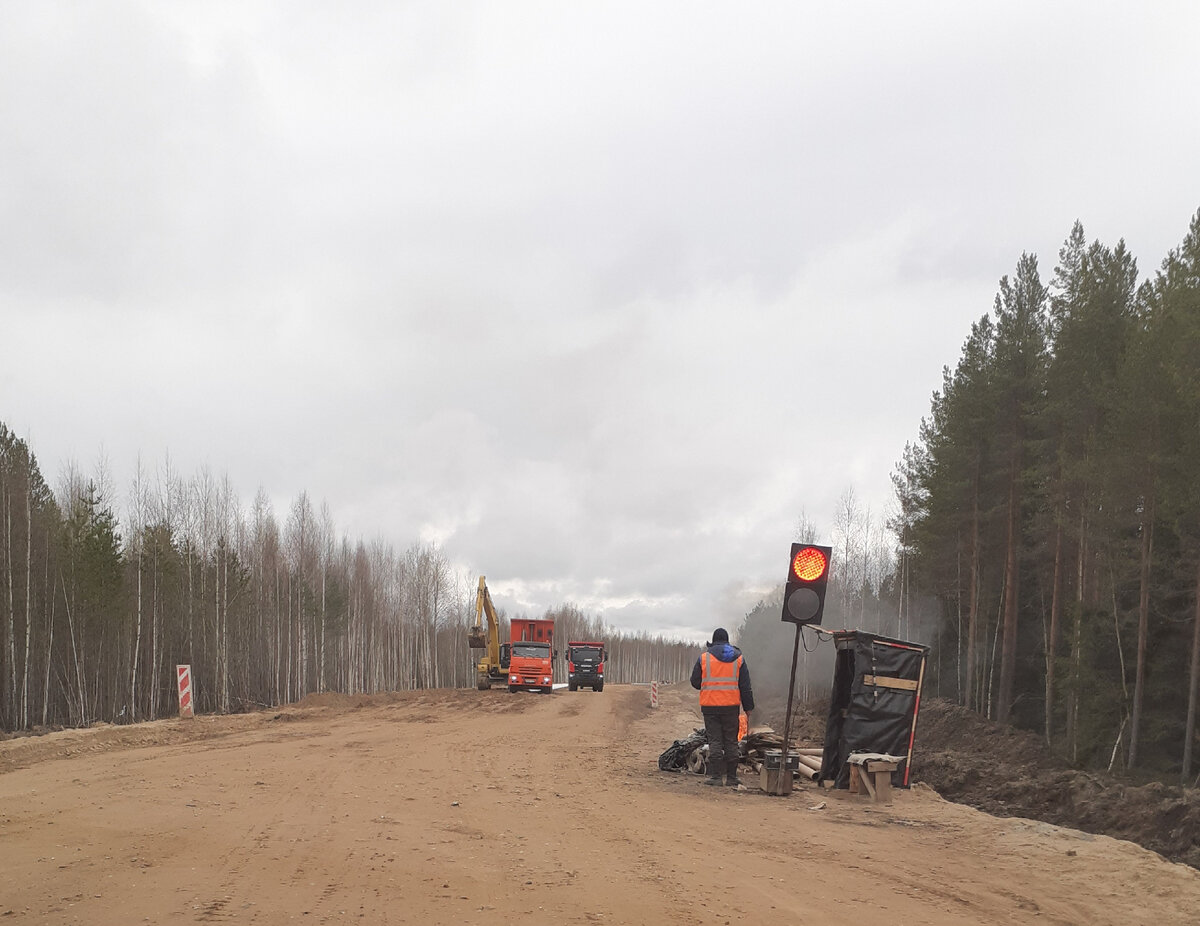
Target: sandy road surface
{"x":463,"y":807}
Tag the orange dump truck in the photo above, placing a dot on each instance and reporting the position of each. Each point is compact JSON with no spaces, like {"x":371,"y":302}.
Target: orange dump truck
{"x":531,"y":655}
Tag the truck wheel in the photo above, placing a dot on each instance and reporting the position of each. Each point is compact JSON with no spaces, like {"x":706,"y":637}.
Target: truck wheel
{"x":599,"y":686}
{"x":512,"y":689}
{"x":572,"y":686}
{"x":547,"y":689}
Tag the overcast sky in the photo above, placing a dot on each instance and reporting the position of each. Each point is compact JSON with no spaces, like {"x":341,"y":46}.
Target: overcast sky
{"x":598,"y":297}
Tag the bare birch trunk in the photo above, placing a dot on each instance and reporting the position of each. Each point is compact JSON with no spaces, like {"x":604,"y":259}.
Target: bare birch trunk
{"x":225,"y":632}
{"x":1052,"y":634}
{"x":958,"y":628}
{"x":1121,"y":660}
{"x":302,"y":643}
{"x":52,"y":599}
{"x":28,"y":597}
{"x":10,"y":628}
{"x":219,"y":625}
{"x":1008,"y":648}
{"x":991,"y":675}
{"x":1139,"y":685}
{"x":321,"y":642}
{"x":137,"y":643}
{"x":191,"y":608}
{"x":973,"y":612}
{"x":278,"y":638}
{"x":155,"y":622}
{"x":1189,"y":734}
{"x":1077,"y":641}
{"x":77,"y":657}
{"x":288,"y":691}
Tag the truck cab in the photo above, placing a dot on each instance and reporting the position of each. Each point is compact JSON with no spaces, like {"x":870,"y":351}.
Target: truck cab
{"x":531,"y":655}
{"x":585,"y":665}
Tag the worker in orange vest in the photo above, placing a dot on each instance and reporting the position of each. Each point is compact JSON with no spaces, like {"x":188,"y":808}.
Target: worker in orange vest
{"x":723,"y":679}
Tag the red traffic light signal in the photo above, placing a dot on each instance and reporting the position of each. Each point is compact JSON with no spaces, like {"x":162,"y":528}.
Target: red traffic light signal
{"x":809,"y":564}
{"x":808,"y":575}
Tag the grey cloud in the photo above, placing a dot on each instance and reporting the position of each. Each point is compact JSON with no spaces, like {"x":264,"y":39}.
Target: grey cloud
{"x":553,"y":284}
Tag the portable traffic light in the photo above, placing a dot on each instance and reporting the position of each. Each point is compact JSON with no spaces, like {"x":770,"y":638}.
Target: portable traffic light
{"x":808,"y":574}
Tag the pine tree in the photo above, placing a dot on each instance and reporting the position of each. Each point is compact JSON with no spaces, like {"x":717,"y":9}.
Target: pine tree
{"x":1091,"y":315}
{"x":1020,"y":358}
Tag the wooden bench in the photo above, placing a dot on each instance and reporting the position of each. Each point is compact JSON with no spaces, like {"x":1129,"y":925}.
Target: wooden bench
{"x":872,"y":773}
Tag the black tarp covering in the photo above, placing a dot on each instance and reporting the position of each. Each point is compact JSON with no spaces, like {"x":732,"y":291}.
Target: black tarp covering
{"x":872,"y":717}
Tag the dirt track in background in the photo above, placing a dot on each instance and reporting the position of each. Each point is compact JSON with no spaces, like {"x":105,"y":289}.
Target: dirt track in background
{"x":467,"y":807}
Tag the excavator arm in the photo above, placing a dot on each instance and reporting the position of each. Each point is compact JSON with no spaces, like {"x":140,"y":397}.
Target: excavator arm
{"x":487,"y":639}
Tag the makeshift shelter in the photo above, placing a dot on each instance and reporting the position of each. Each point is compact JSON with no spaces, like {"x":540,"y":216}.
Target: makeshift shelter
{"x":874,"y":703}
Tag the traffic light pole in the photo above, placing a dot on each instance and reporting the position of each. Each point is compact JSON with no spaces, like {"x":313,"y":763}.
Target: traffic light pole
{"x":803,"y":603}
{"x":787,"y":723}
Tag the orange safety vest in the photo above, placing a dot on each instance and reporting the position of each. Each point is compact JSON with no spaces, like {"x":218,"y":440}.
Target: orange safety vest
{"x":719,"y":681}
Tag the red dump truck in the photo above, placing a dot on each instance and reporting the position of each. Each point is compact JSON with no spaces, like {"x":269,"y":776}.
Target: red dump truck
{"x":531,"y":655}
{"x":585,"y":665}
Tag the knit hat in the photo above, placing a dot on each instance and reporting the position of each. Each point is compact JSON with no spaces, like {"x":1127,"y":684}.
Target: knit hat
{"x":720,"y":635}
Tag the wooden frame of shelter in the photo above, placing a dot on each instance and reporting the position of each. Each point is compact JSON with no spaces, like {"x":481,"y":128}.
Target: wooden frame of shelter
{"x":874,"y":703}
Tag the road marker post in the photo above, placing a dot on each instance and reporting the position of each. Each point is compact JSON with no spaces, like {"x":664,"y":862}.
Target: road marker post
{"x":184,"y":675}
{"x":654,"y":694}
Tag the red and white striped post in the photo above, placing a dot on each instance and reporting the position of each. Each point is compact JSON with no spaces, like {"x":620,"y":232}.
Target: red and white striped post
{"x":184,"y":674}
{"x":654,"y":694}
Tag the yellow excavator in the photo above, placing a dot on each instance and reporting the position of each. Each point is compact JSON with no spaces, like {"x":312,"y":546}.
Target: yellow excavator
{"x":493,"y":665}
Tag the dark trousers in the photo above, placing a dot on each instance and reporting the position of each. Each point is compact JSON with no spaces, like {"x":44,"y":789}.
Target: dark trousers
{"x":721,"y":725}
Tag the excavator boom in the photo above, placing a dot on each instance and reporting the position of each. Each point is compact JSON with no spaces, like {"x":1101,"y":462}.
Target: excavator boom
{"x":486,"y":638}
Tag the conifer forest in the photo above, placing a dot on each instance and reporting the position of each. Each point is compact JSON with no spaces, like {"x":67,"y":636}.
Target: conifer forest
{"x":1051,"y":506}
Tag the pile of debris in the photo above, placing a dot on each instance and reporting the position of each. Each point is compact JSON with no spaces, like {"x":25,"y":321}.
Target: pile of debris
{"x":691,"y":753}
{"x":756,"y":745}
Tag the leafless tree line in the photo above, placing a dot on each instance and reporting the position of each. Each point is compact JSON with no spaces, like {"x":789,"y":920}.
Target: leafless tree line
{"x":98,"y":609}
{"x":633,"y":658}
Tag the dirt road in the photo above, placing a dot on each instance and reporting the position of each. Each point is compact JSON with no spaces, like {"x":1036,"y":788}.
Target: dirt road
{"x":464,"y":807}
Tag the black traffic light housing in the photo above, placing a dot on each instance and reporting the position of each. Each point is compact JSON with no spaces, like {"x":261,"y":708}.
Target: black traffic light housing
{"x":808,"y":575}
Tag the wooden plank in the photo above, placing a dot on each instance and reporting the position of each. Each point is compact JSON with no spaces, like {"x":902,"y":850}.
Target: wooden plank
{"x":873,"y":777}
{"x":887,"y":681}
{"x":912,"y":731}
{"x":883,"y":787}
{"x":868,"y":785}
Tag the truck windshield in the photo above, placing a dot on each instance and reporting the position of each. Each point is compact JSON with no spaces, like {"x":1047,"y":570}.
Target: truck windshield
{"x":531,"y":650}
{"x":585,"y":654}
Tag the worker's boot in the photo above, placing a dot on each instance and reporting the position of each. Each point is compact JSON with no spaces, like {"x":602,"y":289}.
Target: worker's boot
{"x":732,"y":778}
{"x":715,"y":780}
